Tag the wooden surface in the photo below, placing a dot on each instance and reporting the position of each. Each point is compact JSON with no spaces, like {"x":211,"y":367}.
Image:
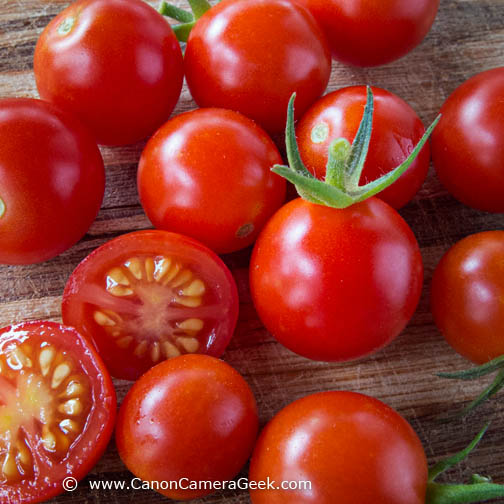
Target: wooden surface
{"x":467,"y":37}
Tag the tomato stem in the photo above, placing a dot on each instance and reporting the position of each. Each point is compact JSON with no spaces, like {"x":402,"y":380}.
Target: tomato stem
{"x":174,"y":12}
{"x":341,"y":187}
{"x":480,"y":488}
{"x":183,"y":30}
{"x":475,"y":373}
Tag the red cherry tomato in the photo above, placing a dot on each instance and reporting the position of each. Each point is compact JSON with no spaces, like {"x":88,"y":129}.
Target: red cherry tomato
{"x":352,"y":448}
{"x":335,"y":285}
{"x":151,"y":295}
{"x":371,"y":32}
{"x":192,"y":417}
{"x":57,"y":410}
{"x":251,"y":55}
{"x":115,"y":64}
{"x":206,"y":174}
{"x":467,"y":296}
{"x":396,"y":131}
{"x":51,"y":181}
{"x":468,"y":143}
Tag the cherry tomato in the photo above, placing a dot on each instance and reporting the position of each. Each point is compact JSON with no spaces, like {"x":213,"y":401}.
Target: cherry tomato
{"x":251,"y":55}
{"x":352,"y":448}
{"x":206,"y":173}
{"x":151,"y":295}
{"x":335,"y":285}
{"x":52,"y":181}
{"x":57,"y":410}
{"x":192,"y":417}
{"x":396,"y":131}
{"x":467,"y":296}
{"x":115,"y":64}
{"x":468,"y":143}
{"x":371,"y":32}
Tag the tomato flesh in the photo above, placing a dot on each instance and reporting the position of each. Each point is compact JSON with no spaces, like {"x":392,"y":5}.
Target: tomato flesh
{"x":57,"y":409}
{"x":149,"y":296}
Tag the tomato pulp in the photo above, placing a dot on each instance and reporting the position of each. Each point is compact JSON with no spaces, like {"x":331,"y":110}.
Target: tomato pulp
{"x":57,"y":410}
{"x":151,"y":295}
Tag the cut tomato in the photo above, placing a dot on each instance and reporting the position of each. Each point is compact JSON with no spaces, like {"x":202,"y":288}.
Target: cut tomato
{"x":57,"y":410}
{"x":151,"y":295}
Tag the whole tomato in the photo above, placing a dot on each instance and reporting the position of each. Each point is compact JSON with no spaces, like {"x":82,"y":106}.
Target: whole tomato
{"x":191,"y":417}
{"x":251,"y":55}
{"x":353,"y":449}
{"x":52,"y":181}
{"x":397,"y":129}
{"x":468,"y":144}
{"x":116,"y":64}
{"x":206,"y":174}
{"x":467,"y":296}
{"x":336,"y":284}
{"x":373,"y":32}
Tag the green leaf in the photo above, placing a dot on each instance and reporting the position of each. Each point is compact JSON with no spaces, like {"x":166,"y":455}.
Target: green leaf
{"x":199,"y":7}
{"x":476,"y":372}
{"x":182,"y":31}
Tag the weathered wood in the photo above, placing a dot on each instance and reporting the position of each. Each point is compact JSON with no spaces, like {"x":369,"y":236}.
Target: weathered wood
{"x":468,"y":37}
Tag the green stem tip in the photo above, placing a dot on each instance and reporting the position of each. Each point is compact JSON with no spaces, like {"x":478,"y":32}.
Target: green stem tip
{"x":480,"y":489}
{"x":186,"y":19}
{"x":345,"y":164}
{"x":496,"y":365}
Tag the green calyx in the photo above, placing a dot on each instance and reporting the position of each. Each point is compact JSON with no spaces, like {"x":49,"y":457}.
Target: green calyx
{"x":494,"y":366}
{"x":480,"y":489}
{"x":186,"y":19}
{"x":345,"y":163}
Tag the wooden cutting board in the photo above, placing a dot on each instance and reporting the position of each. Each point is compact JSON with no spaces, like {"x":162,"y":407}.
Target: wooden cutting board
{"x":467,"y":38}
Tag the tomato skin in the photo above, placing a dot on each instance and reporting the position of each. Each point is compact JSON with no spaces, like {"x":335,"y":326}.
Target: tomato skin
{"x":397,"y":129}
{"x":466,"y":296}
{"x":350,"y":278}
{"x":190,"y":417}
{"x":370,"y":33}
{"x":52,"y":181}
{"x":354,"y":449}
{"x":119,"y":68}
{"x":468,"y":142}
{"x":227,"y":158}
{"x":245,"y":55}
{"x":85,"y":293}
{"x":86,"y":450}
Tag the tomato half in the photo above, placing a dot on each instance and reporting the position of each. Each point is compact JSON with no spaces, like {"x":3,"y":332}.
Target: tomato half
{"x":57,"y":410}
{"x":353,"y":449}
{"x":335,"y":285}
{"x":467,"y":296}
{"x":468,"y":143}
{"x":115,"y":64}
{"x":151,"y":295}
{"x":192,"y":417}
{"x":52,"y":181}
{"x":251,"y":55}
{"x":371,"y":32}
{"x":206,"y":174}
{"x":397,"y":129}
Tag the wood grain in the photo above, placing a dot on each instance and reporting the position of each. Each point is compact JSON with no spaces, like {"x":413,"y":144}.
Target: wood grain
{"x":467,"y":38}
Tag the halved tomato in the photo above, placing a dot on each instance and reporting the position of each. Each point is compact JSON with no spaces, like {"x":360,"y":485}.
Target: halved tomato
{"x":151,"y":295}
{"x":57,"y":410}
